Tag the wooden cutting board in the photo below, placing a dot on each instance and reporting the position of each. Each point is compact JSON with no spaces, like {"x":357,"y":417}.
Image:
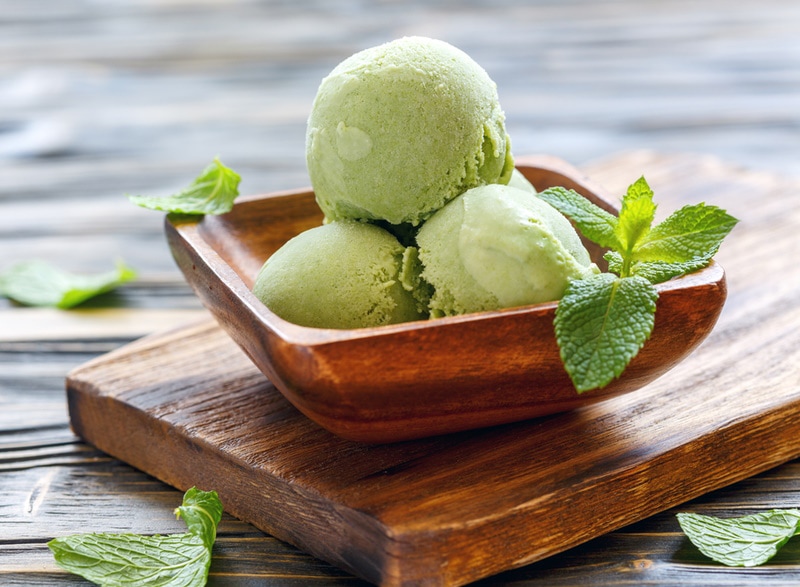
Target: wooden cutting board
{"x":188,"y":407}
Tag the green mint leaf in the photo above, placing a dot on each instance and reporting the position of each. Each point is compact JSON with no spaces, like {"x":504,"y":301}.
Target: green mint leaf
{"x":592,"y":221}
{"x":601,"y":323}
{"x":693,"y":232}
{"x":741,"y":542}
{"x":177,"y":560}
{"x":212,"y":192}
{"x":37,"y":283}
{"x":658,"y":271}
{"x":615,"y":262}
{"x":635,"y":216}
{"x":654,"y":271}
{"x":202,"y":511}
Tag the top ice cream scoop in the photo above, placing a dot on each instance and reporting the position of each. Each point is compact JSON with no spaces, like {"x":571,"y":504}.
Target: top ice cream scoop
{"x":398,"y":130}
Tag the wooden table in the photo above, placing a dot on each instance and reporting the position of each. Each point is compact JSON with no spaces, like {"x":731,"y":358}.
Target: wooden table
{"x":98,"y":101}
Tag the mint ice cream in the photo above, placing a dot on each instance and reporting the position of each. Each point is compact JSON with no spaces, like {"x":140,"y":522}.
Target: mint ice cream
{"x":398,"y":130}
{"x":344,"y":274}
{"x":495,"y":247}
{"x":518,"y":180}
{"x":407,"y":141}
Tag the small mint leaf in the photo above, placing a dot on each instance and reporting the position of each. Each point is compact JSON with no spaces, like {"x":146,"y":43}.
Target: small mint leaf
{"x":693,"y":232}
{"x":202,"y":511}
{"x":37,"y":283}
{"x":636,"y":215}
{"x":654,"y":271}
{"x":177,"y":560}
{"x":592,"y":221}
{"x":212,"y":192}
{"x":741,"y":542}
{"x":601,"y":324}
{"x":614,"y":260}
{"x":660,"y":271}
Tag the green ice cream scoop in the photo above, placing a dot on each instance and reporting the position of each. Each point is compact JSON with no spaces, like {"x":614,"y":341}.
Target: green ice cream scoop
{"x":344,"y":274}
{"x":518,"y":180}
{"x":496,"y":247}
{"x":398,"y":130}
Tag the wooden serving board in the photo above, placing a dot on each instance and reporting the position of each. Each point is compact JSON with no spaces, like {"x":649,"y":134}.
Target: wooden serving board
{"x":189,"y":408}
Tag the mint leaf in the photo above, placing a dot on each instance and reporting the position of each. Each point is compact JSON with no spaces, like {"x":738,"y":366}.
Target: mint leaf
{"x":693,"y":232}
{"x":635,"y":216}
{"x":212,"y":192}
{"x":202,"y":511}
{"x":37,"y":283}
{"x":655,"y":271}
{"x":741,"y":542}
{"x":600,"y":324}
{"x":595,"y":223}
{"x":177,"y":560}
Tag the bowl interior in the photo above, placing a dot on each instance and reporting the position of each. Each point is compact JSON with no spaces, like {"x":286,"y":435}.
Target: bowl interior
{"x":257,"y":227}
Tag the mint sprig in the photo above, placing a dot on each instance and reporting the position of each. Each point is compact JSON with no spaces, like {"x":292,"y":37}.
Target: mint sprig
{"x":747,"y":541}
{"x":212,"y":192}
{"x":603,"y":321}
{"x":176,"y":560}
{"x":38,"y":283}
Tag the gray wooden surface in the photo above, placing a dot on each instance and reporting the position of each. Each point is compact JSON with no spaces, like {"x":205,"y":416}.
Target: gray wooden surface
{"x":106,"y":97}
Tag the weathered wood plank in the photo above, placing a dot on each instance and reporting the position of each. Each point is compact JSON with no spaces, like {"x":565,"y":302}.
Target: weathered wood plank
{"x":41,"y":324}
{"x":578,"y":79}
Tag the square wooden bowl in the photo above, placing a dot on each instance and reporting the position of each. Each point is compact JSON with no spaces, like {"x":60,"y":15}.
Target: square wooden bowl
{"x":424,"y":378}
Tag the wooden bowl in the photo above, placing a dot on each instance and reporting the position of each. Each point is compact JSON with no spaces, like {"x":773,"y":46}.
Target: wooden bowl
{"x":425,"y":378}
